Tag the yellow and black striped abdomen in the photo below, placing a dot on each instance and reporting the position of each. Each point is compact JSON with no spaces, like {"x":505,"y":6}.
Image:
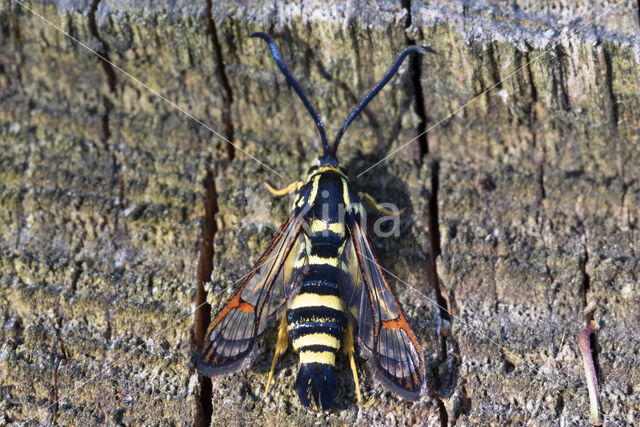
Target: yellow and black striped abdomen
{"x":316,"y":323}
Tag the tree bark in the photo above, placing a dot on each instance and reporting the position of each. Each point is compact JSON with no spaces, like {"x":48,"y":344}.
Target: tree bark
{"x":117,"y":190}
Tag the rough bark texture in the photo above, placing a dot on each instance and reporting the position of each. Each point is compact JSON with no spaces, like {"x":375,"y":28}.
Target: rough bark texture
{"x":110,"y":198}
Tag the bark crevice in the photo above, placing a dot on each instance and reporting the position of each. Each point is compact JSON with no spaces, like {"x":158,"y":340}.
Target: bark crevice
{"x":109,"y":71}
{"x":223,"y":81}
{"x":202,"y":315}
{"x":415,"y":68}
{"x":103,"y":50}
{"x":538,"y":146}
{"x":615,"y":117}
{"x":432,"y":210}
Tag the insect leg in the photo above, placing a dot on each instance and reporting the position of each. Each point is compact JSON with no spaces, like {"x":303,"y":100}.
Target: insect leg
{"x":281,"y":347}
{"x":369,"y":200}
{"x":347,"y":346}
{"x":288,"y":190}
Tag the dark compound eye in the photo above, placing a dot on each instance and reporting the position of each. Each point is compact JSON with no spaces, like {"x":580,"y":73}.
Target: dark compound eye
{"x":312,"y":169}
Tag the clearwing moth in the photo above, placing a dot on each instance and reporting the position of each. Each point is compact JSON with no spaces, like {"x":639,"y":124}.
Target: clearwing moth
{"x":321,"y":278}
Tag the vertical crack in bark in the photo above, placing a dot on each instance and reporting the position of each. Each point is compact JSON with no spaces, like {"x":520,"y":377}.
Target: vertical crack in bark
{"x":416,"y":72}
{"x":543,"y":193}
{"x":227,"y":93}
{"x":434,"y":230}
{"x":533,"y":125}
{"x":76,"y":277}
{"x":434,"y":237}
{"x":495,"y":69}
{"x":105,"y":59}
{"x":609,"y":80}
{"x":615,"y":117}
{"x":121,"y":187}
{"x":559,"y":83}
{"x":202,"y":314}
{"x":103,"y":50}
{"x":432,"y":210}
{"x":59,"y":338}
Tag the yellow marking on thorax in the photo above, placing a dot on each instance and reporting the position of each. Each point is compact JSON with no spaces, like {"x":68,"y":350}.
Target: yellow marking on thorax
{"x":345,"y":194}
{"x":328,"y":169}
{"x":324,"y":357}
{"x":319,"y":338}
{"x":357,"y":208}
{"x":315,"y":300}
{"x":314,"y":190}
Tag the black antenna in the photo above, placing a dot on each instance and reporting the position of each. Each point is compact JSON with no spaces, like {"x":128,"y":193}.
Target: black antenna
{"x":296,"y":87}
{"x":377,"y":88}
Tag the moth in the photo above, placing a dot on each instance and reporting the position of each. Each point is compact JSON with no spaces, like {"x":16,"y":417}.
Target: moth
{"x":321,"y":278}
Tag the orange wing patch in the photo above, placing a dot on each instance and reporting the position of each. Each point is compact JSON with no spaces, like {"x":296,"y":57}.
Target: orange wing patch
{"x":383,"y":330}
{"x":232,"y":335}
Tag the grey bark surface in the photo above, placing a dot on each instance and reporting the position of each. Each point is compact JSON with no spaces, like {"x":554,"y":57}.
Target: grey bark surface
{"x":521,"y":201}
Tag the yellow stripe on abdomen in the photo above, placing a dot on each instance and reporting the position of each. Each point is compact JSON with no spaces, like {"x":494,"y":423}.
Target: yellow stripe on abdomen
{"x":319,"y":225}
{"x":316,"y":300}
{"x":316,"y":339}
{"x":324,"y":357}
{"x":317,"y":260}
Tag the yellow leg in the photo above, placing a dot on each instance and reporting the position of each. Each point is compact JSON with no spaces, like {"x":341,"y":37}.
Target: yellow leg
{"x":375,"y":205}
{"x":288,"y":190}
{"x":281,"y":347}
{"x":347,"y":346}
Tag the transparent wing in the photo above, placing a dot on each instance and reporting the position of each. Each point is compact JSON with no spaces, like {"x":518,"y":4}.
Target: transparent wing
{"x":383,"y":330}
{"x":233,"y":332}
{"x":350,"y":280}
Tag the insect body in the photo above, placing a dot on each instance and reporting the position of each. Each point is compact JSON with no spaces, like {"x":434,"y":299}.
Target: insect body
{"x":316,"y":316}
{"x":321,"y":277}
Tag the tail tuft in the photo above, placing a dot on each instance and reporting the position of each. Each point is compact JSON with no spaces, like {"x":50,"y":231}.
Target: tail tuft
{"x":316,"y":382}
